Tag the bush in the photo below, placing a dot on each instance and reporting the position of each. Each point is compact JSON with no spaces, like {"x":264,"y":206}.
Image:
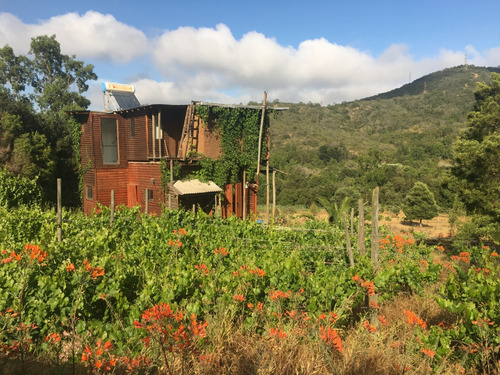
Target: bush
{"x":17,"y":191}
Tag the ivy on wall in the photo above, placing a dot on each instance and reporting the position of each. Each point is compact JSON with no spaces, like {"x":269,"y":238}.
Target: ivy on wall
{"x":239,"y":132}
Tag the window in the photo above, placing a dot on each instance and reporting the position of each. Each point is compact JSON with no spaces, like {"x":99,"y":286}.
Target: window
{"x":88,"y":192}
{"x":132,"y":128}
{"x":150,"y":195}
{"x":109,"y":140}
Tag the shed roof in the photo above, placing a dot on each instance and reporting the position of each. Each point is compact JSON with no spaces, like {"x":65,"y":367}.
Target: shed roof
{"x":194,"y":187}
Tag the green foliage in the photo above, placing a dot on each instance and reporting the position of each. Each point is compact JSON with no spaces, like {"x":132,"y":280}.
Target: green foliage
{"x":16,"y":191}
{"x":239,"y":132}
{"x":97,"y":283}
{"x":393,"y":140}
{"x":477,"y":154}
{"x":44,"y":142}
{"x":420,"y":203}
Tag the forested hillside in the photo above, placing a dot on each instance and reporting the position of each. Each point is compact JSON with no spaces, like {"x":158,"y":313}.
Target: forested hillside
{"x":391,"y":140}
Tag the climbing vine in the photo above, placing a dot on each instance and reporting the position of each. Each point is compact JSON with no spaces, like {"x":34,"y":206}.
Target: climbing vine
{"x":239,"y":131}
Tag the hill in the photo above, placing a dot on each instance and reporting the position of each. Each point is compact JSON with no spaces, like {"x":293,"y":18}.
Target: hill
{"x":391,"y":140}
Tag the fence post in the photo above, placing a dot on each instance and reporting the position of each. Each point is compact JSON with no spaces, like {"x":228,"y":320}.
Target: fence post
{"x":59,"y":211}
{"x":146,"y":202}
{"x":352,"y":222}
{"x":112,"y":208}
{"x":361,"y":228}
{"x":374,"y":299}
{"x":348,"y":240}
{"x":375,"y":227}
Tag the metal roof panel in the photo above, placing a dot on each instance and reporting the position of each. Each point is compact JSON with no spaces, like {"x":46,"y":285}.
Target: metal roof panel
{"x":194,"y":187}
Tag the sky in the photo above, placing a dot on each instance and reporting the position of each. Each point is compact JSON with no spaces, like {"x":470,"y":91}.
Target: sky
{"x":225,"y":51}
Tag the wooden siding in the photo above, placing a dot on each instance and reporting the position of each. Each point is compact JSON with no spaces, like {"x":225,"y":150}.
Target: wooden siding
{"x":142,"y":175}
{"x":111,"y":179}
{"x":136,"y":147}
{"x":87,"y":145}
{"x":209,"y":143}
{"x":89,"y":179}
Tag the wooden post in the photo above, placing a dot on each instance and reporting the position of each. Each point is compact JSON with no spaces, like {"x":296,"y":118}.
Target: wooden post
{"x":159,"y":134}
{"x":361,"y":228}
{"x":274,"y":195}
{"x":267,"y":192}
{"x":153,"y":134}
{"x":59,"y":211}
{"x":194,"y":208}
{"x":348,"y":240}
{"x":260,"y":136}
{"x":352,"y":222}
{"x":375,"y":227}
{"x":112,"y":208}
{"x":171,"y":182}
{"x":374,"y":299}
{"x":146,"y":201}
{"x":244,"y":188}
{"x":171,"y":171}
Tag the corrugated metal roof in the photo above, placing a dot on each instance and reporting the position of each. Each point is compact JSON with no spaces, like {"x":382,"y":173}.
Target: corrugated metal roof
{"x":194,"y":187}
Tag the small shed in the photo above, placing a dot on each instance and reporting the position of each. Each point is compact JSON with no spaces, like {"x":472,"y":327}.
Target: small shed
{"x":194,"y":194}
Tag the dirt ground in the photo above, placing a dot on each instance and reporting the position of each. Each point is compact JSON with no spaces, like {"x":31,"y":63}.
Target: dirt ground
{"x":437,"y":227}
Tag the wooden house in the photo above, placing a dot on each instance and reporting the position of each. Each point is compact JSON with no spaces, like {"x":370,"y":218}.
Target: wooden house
{"x":132,"y":152}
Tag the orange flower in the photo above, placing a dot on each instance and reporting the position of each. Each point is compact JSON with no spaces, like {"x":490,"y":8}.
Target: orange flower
{"x":96,"y":272}
{"x":428,"y":352}
{"x":382,"y":320}
{"x":369,"y":327}
{"x":494,"y":254}
{"x":239,"y":297}
{"x":413,"y":319}
{"x":53,"y":337}
{"x":275,"y":332}
{"x":70,"y":267}
{"x":221,"y":251}
{"x":331,"y":337}
{"x":279,"y":294}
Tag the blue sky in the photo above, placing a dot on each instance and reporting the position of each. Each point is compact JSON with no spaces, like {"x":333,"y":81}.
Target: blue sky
{"x":231,"y":51}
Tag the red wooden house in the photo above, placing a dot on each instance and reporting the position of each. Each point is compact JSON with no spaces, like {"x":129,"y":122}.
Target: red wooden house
{"x":123,"y":150}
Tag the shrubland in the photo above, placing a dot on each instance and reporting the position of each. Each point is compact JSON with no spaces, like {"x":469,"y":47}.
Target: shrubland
{"x":196,"y":294}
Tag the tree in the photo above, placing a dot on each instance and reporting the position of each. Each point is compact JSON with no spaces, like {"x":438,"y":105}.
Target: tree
{"x":59,"y":80}
{"x":420,"y":203}
{"x":476,"y":155}
{"x":36,"y":135}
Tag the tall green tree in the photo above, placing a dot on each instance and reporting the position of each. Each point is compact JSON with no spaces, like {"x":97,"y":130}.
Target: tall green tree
{"x":420,"y":203}
{"x":36,"y":135}
{"x":59,"y":80}
{"x":477,"y":158}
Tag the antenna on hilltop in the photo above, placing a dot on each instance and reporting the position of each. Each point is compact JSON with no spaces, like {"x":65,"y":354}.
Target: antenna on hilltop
{"x":465,"y":57}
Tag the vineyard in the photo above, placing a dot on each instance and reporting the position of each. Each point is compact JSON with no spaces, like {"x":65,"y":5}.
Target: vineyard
{"x":200,"y":295}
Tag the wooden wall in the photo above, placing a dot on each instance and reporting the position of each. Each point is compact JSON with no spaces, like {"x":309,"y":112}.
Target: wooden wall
{"x":89,"y":179}
{"x":147,"y":176}
{"x":136,"y":147}
{"x":209,"y":142}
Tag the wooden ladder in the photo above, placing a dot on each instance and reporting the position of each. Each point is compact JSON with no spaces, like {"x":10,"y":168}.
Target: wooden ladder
{"x":187,"y":132}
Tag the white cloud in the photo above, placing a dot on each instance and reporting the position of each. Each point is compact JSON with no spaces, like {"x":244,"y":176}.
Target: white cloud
{"x":92,"y":35}
{"x":210,"y":64}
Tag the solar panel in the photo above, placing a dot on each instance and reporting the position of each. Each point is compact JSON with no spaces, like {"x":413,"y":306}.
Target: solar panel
{"x":119,"y":96}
